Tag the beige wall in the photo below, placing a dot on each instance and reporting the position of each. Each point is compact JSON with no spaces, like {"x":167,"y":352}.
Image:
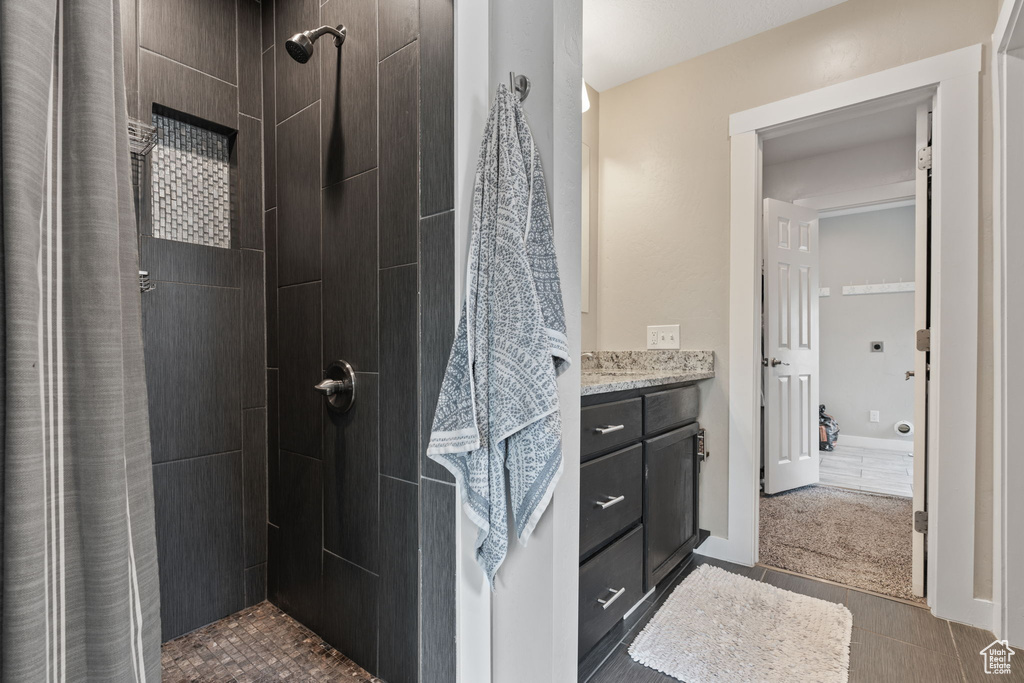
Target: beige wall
{"x":591,"y":118}
{"x":664,"y":212}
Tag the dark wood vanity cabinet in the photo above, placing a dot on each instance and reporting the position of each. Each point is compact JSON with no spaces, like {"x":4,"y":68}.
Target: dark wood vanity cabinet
{"x":670,"y":501}
{"x":638,"y":498}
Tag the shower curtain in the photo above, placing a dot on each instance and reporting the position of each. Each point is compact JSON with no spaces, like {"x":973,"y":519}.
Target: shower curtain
{"x":79,"y":573}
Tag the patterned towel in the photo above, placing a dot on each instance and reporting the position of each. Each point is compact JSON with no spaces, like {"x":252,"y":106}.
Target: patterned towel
{"x":498,"y":408}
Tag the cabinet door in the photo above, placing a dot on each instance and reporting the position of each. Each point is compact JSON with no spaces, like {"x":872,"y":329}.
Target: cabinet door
{"x":670,"y":501}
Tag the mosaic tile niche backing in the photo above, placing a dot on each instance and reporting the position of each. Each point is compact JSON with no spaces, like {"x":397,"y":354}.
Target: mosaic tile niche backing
{"x":191,"y":184}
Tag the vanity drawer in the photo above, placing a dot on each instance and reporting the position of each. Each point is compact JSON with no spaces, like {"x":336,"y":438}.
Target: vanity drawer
{"x":671,"y":408}
{"x":608,"y":425}
{"x":611,"y":496}
{"x":610,"y":584}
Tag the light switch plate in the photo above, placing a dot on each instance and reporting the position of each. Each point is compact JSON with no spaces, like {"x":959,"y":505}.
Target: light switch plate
{"x":663,"y":336}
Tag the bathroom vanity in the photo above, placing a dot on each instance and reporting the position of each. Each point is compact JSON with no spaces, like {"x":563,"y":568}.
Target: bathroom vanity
{"x":640,"y":459}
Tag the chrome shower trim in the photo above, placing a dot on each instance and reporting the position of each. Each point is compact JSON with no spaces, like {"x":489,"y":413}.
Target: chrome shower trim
{"x":300,"y":46}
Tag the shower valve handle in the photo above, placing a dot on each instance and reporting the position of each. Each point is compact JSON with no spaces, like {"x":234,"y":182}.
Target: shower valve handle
{"x":338,"y":386}
{"x":330,"y":386}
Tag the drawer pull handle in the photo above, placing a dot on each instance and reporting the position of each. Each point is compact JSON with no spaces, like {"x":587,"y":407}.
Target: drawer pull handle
{"x":605,"y":604}
{"x":609,"y":429}
{"x":611,"y":501}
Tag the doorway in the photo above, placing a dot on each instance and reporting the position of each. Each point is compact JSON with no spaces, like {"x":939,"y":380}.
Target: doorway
{"x":839,"y":299}
{"x":952,"y":403}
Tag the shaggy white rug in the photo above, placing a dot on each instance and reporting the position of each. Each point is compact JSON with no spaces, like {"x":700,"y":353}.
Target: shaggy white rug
{"x":717,"y":626}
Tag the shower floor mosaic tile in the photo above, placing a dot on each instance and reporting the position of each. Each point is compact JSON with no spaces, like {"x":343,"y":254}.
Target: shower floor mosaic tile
{"x":260,"y":643}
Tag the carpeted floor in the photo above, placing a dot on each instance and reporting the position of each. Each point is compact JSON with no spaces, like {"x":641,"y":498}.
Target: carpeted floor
{"x":857,"y":539}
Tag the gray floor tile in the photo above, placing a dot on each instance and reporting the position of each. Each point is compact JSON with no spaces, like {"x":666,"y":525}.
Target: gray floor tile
{"x":970,"y":642}
{"x":876,"y":659}
{"x":798,"y":584}
{"x":620,"y":667}
{"x":900,"y":621}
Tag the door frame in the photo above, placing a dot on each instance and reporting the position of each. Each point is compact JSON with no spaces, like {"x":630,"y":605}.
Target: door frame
{"x":1008,"y":317}
{"x":953,"y":77}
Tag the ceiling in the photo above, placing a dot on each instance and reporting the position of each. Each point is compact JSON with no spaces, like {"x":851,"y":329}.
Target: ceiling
{"x":627,"y":39}
{"x":890,"y":124}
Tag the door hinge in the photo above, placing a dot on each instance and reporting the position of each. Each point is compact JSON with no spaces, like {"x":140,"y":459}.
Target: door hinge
{"x":921,"y":521}
{"x":924,"y":340}
{"x":924,"y":158}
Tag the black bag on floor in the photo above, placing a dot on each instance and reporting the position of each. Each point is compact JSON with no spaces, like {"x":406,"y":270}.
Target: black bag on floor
{"x":828,"y":430}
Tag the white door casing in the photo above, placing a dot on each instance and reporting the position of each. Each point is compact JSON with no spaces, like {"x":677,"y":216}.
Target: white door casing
{"x":952,"y":400}
{"x":1008,"y":320}
{"x":790,"y":346}
{"x":921,"y":284}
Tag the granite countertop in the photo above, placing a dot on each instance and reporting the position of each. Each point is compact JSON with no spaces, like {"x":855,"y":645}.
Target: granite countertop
{"x":608,"y":371}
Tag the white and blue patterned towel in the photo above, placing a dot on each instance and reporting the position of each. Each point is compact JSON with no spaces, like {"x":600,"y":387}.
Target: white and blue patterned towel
{"x":498,"y":408}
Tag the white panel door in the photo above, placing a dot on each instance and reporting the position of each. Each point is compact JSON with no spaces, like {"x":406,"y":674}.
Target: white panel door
{"x":790,"y":346}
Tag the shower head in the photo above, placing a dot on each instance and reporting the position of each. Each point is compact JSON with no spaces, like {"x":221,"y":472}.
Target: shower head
{"x":300,"y":46}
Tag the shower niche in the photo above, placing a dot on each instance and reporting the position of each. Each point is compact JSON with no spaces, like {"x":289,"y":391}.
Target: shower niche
{"x":184,"y":178}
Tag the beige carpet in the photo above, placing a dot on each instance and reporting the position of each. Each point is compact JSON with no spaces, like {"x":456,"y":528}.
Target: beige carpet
{"x":856,"y":539}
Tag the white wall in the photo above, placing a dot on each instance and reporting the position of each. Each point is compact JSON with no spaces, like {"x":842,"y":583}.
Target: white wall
{"x":533,"y":611}
{"x":664,"y":230}
{"x":864,"y":248}
{"x":865,"y":166}
{"x":591,"y":138}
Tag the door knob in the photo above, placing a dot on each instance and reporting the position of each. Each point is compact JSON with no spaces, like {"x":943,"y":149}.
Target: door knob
{"x":910,"y":373}
{"x":338,"y":386}
{"x":776,"y":361}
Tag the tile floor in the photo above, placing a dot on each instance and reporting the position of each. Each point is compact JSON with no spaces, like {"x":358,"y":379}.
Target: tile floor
{"x":892,"y":642}
{"x":869,"y":469}
{"x":258,"y":644}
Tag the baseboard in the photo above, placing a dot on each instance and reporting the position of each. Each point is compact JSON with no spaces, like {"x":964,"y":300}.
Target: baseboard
{"x":873,"y":442}
{"x":722,"y":549}
{"x":976,"y":612}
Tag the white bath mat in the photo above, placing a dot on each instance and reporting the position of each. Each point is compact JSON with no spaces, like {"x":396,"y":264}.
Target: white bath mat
{"x":717,"y":626}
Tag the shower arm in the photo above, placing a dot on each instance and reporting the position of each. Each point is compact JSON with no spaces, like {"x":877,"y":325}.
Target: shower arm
{"x":339,"y":33}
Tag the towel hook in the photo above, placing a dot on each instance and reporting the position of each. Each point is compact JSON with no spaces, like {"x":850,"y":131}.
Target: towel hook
{"x":520,"y":84}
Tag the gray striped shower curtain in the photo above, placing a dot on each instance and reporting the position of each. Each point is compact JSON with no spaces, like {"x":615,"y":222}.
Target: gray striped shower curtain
{"x":79,"y":579}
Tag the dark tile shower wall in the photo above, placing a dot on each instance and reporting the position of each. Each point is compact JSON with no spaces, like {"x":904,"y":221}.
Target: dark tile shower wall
{"x":360,"y":259}
{"x":205,"y":323}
